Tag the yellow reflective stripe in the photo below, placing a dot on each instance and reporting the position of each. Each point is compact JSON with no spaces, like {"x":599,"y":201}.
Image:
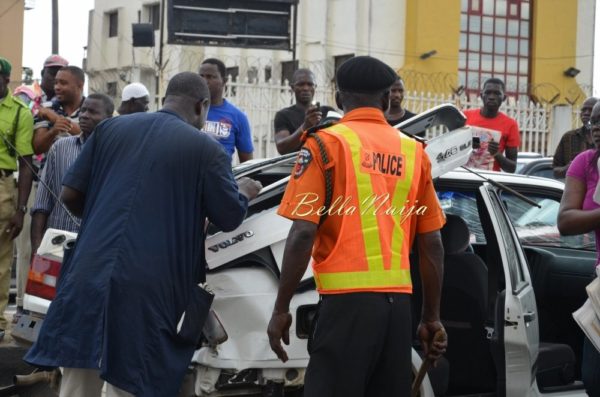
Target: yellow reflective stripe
{"x":408,"y":148}
{"x":364,"y":279}
{"x":368,"y":219}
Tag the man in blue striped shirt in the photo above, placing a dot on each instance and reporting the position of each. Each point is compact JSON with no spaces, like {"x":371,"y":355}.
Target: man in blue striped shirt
{"x":46,"y":212}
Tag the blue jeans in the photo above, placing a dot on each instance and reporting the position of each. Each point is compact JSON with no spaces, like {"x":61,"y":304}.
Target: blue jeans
{"x":590,"y":368}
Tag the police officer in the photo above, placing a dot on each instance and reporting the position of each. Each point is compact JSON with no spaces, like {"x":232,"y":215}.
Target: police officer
{"x":357,"y":212}
{"x":16,"y":132}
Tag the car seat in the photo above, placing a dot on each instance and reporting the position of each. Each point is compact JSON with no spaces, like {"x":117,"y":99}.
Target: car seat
{"x":555,"y":365}
{"x":463,"y":312}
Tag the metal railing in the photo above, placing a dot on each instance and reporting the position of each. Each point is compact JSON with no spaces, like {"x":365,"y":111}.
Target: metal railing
{"x":260,"y":101}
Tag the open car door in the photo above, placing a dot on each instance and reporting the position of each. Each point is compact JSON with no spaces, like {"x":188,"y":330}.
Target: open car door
{"x":448,"y":150}
{"x":520,"y":321}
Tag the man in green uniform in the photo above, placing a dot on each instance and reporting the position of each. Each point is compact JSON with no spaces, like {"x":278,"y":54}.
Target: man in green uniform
{"x":16,"y":134}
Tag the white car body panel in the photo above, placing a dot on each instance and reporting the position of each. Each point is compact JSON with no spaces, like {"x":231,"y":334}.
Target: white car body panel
{"x":35,"y":304}
{"x":52,"y":251}
{"x":449,"y":151}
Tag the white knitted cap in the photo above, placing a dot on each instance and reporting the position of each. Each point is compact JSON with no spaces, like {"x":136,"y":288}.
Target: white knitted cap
{"x":134,"y":91}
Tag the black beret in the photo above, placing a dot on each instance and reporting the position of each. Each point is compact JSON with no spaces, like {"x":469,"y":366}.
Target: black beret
{"x":365,"y":74}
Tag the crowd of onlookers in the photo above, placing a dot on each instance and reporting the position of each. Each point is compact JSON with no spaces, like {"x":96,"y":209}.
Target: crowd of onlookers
{"x":44,"y":128}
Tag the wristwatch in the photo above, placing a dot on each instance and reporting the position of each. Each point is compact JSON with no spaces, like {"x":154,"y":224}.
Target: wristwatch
{"x":23,"y":209}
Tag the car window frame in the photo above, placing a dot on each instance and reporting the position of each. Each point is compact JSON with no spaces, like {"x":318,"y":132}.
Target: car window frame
{"x":514,"y":254}
{"x":554,"y":194}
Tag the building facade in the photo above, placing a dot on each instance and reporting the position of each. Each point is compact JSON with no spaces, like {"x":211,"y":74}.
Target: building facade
{"x":328,"y":32}
{"x":542,"y":49}
{"x":12,"y":14}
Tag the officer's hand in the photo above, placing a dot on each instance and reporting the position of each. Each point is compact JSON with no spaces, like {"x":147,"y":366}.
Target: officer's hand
{"x":249,"y":187}
{"x":493,"y":147}
{"x":278,"y":329}
{"x":313,"y":116}
{"x":433,"y":346}
{"x":15,"y":225}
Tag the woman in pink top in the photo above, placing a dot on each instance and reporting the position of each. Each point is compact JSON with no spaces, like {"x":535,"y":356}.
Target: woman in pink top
{"x":579,"y":214}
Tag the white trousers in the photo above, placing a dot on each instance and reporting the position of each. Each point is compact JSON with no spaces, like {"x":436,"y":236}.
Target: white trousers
{"x":78,"y":382}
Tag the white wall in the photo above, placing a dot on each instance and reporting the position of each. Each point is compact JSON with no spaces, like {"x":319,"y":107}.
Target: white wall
{"x":585,"y":42}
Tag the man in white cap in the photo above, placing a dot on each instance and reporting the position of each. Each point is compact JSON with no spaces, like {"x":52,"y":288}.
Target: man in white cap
{"x":134,"y":99}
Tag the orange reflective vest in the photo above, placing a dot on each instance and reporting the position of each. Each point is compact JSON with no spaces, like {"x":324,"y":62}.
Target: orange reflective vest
{"x":371,"y":253}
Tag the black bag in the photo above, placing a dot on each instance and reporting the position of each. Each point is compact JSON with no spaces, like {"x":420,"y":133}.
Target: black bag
{"x":191,"y":322}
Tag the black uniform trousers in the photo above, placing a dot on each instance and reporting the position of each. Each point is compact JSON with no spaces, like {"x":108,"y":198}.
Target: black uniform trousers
{"x":360,"y":346}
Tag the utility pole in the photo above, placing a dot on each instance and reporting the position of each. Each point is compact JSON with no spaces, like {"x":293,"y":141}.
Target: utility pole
{"x":55,"y":26}
{"x":159,"y":75}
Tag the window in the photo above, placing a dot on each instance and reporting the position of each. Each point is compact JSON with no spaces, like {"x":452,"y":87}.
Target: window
{"x":153,"y":12}
{"x":534,"y":226}
{"x":537,"y":226}
{"x":268,"y":73}
{"x":495,"y":29}
{"x":111,"y":89}
{"x":233,"y":73}
{"x":510,"y":247}
{"x":541,"y":167}
{"x":113,"y":24}
{"x":339,"y":59}
{"x":543,"y":173}
{"x":501,"y":7}
{"x":232,"y":76}
{"x":287,"y":71}
{"x":464,"y":205}
{"x":252,"y":74}
{"x":232,"y":23}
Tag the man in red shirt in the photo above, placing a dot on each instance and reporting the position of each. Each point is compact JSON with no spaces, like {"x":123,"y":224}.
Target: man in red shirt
{"x":505,"y":151}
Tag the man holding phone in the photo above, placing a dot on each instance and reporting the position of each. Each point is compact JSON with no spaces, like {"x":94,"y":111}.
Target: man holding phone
{"x":505,"y":149}
{"x":290,"y":122}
